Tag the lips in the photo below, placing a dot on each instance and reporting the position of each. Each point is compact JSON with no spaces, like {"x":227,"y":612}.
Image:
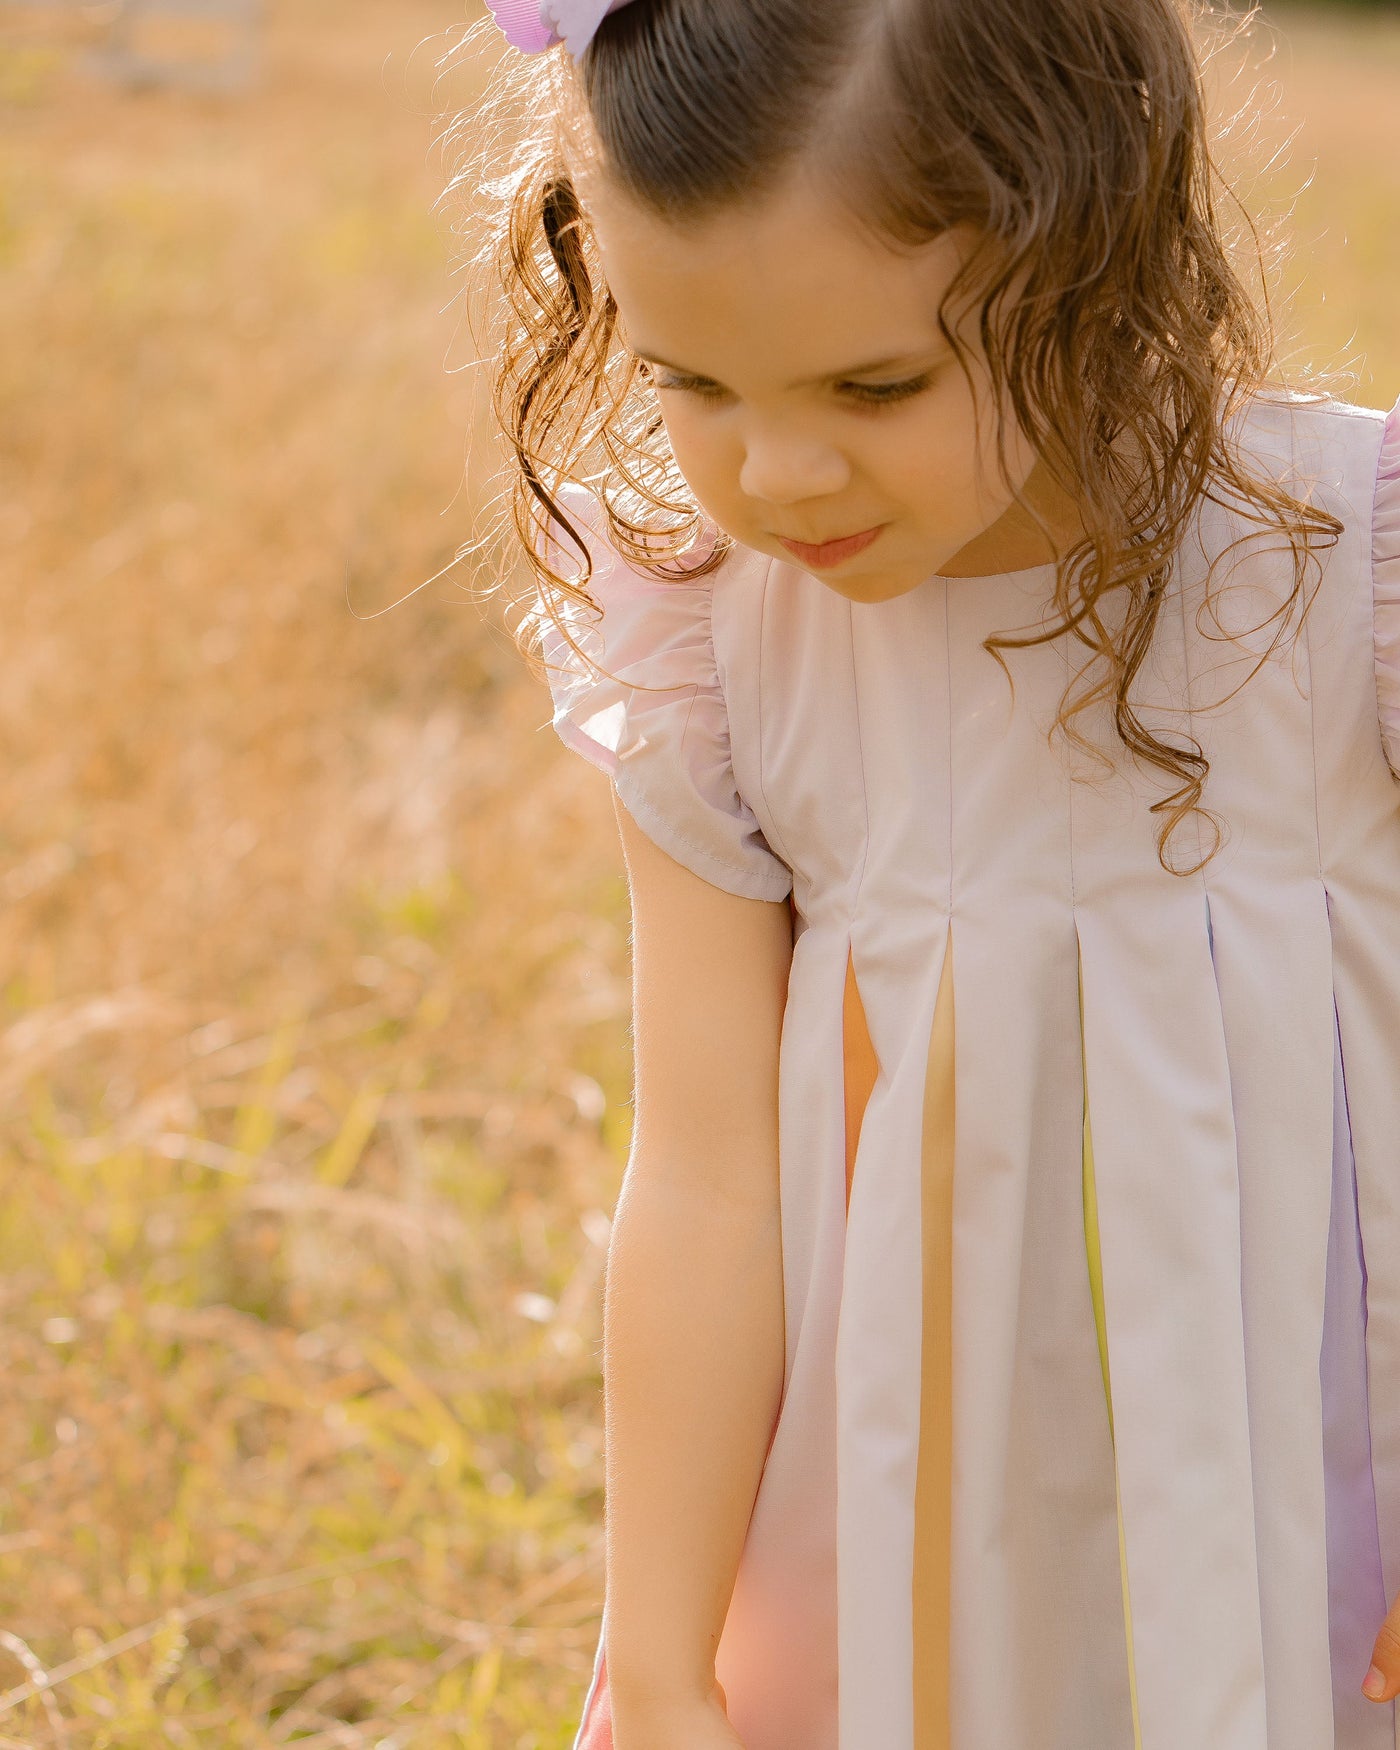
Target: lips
{"x":827,"y":553}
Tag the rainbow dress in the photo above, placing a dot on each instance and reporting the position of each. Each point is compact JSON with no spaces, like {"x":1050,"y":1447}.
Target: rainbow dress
{"x":1089,"y":1173}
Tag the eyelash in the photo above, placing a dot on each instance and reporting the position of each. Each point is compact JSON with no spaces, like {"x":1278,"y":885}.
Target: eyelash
{"x":885,"y":394}
{"x":865,"y":394}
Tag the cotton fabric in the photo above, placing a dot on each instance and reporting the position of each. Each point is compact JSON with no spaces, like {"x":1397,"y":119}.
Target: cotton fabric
{"x":1159,"y":1422}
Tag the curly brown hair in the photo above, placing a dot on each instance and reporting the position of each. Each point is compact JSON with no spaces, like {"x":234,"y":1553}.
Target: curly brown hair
{"x":1070,"y":135}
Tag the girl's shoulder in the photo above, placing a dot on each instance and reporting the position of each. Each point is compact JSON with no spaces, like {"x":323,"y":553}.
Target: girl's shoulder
{"x":637,"y":693}
{"x":1347,"y":457}
{"x":1321,"y":443}
{"x":1308,"y":428}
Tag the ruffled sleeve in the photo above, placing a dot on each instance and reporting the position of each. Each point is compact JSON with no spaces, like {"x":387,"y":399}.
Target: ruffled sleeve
{"x":1385,"y":536}
{"x":667,"y":752}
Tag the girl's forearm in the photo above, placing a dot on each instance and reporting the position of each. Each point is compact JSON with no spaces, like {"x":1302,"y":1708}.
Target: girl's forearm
{"x":693,"y":1371}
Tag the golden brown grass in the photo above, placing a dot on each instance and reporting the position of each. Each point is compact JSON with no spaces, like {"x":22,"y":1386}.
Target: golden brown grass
{"x":1327,"y":83}
{"x":313,"y":1054}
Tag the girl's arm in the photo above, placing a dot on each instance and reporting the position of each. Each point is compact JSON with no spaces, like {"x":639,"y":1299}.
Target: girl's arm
{"x":693,"y":1305}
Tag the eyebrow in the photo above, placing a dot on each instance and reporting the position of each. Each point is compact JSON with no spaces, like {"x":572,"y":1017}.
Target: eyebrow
{"x":860,"y":370}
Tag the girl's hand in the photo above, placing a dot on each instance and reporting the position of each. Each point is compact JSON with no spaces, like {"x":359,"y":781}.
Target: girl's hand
{"x":1383,"y":1679}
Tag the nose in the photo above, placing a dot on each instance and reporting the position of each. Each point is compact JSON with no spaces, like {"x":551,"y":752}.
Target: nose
{"x":784,"y":469}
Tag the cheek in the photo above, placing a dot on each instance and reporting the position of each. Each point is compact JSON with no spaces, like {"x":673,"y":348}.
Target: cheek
{"x":702,"y":453}
{"x":948,"y":458}
{"x":935,"y":459}
{"x":1020,"y":456}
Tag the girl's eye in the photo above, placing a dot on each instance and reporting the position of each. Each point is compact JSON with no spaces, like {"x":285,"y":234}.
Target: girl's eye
{"x":864,"y":394}
{"x":701,"y":386}
{"x":884,"y":394}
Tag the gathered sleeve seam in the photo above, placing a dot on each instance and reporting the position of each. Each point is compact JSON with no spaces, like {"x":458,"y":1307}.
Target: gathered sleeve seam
{"x":648,"y":736}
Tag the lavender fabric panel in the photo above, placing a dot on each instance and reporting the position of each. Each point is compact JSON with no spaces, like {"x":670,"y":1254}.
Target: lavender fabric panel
{"x":1358,"y":1603}
{"x":1385,"y":537}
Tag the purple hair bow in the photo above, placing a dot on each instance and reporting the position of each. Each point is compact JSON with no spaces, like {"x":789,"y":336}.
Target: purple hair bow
{"x":532,"y":25}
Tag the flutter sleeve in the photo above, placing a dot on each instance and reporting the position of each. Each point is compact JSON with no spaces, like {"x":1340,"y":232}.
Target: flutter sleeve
{"x":1385,"y":535}
{"x":666,"y":752}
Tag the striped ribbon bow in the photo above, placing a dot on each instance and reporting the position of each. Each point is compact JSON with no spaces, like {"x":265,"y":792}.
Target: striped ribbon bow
{"x":533,"y":25}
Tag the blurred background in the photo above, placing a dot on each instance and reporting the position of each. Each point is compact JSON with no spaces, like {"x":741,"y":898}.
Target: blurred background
{"x":314,"y":1069}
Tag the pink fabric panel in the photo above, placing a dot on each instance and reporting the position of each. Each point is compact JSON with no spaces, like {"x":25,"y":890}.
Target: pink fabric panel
{"x":595,"y":1728}
{"x":1386,"y":567}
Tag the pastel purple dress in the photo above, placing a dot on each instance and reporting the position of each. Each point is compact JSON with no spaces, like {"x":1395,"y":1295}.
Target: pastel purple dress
{"x":965,"y":1537}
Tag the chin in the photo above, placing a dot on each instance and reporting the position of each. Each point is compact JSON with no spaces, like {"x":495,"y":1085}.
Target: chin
{"x":888,"y":583}
{"x":866,"y":589}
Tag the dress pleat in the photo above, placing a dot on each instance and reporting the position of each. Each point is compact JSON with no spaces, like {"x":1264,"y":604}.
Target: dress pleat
{"x":777,"y":1659}
{"x":1093,"y":1252}
{"x":1034,"y":1534}
{"x":1358,"y":832}
{"x":1270,"y":955}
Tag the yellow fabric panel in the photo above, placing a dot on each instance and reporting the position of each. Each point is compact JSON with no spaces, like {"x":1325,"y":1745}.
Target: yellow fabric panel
{"x":933,"y":1490}
{"x":1091,"y":1247}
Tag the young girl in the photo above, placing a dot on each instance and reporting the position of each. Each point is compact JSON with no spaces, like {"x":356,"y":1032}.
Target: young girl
{"x":999,"y":676}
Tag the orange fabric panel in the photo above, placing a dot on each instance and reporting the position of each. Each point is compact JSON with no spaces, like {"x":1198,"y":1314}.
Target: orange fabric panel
{"x":860,"y":1067}
{"x":933,"y":1488}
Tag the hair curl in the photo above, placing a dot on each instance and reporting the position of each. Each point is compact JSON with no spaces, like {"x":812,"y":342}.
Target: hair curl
{"x":1070,"y":135}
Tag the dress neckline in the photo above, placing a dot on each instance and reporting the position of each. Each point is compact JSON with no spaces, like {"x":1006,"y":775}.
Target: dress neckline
{"x":1027,"y":573}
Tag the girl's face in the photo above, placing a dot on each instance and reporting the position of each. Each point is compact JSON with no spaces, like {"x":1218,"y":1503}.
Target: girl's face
{"x":809,"y":396}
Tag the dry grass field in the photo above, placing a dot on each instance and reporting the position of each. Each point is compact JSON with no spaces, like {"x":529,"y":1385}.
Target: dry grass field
{"x":313,"y":951}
